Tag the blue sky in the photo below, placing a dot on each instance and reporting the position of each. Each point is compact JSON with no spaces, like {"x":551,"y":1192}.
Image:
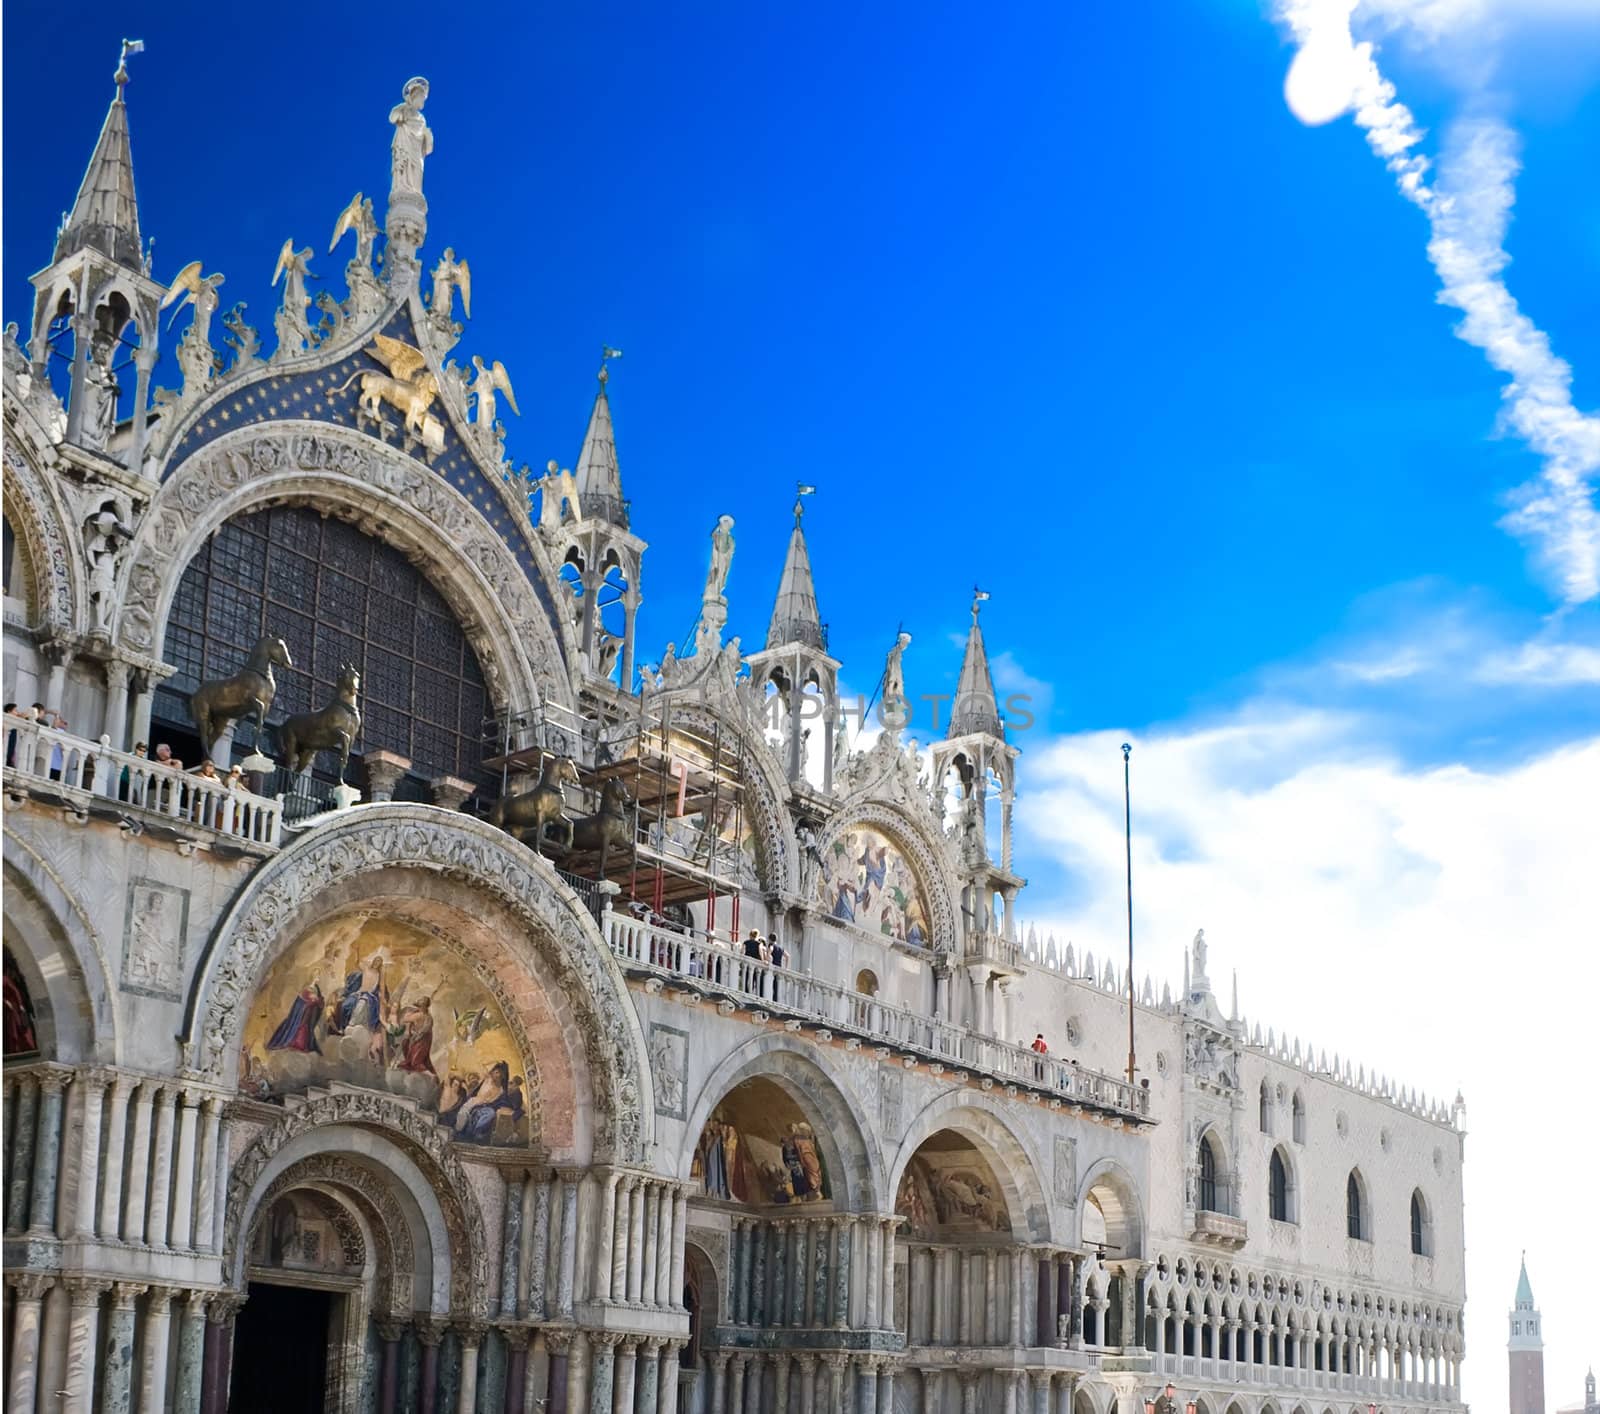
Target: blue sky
{"x":1061,"y":299}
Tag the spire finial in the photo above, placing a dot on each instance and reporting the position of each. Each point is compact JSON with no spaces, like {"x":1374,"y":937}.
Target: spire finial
{"x":129,"y":46}
{"x":801,"y":490}
{"x":607,"y":353}
{"x":978,"y":596}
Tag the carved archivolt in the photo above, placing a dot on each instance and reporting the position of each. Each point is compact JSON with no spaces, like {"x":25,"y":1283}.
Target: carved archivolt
{"x":428,"y":1144}
{"x":388,"y":495}
{"x":925,"y":856}
{"x":40,"y":521}
{"x":370,"y":839}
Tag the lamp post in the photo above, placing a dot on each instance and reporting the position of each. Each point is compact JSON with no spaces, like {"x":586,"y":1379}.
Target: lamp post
{"x":1166,"y":1403}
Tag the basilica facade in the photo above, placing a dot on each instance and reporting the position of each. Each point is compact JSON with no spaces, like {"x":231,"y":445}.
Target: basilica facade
{"x":421,"y":995}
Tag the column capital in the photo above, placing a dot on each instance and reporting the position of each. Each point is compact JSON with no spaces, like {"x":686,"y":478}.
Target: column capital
{"x":653,"y":1345}
{"x":118,"y":673}
{"x":518,"y":1337}
{"x":606,"y":1338}
{"x":718,"y":1359}
{"x":86,"y":1291}
{"x":52,"y":1081}
{"x":389,"y":1329}
{"x":470,"y":1332}
{"x":559,"y":1341}
{"x":161,"y":1298}
{"x":835,"y":1360}
{"x":30,"y":1286}
{"x":224,"y":1306}
{"x":125,"y":1294}
{"x":430,"y":1331}
{"x":570,"y":1175}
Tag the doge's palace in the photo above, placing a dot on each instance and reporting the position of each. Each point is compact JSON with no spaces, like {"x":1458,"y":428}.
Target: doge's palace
{"x":421,"y":995}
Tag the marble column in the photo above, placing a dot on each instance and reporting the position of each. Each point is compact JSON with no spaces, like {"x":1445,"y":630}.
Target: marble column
{"x":467,"y":1394}
{"x":187,"y":1384}
{"x":511,"y":1243}
{"x":623,"y":1224}
{"x":602,"y":1371}
{"x":886,"y":1388}
{"x":1063,"y":1393}
{"x":539,"y":1256}
{"x":1075,"y":1317}
{"x":719,"y":1382}
{"x":759,"y":1233}
{"x":157,"y":1339}
{"x":1018,"y":1258}
{"x":217,"y":1374}
{"x":841,"y":1278}
{"x":964,"y":1312}
{"x":667,"y":1389}
{"x":605,"y":1238}
{"x":780,"y":1373}
{"x":155,"y":1228}
{"x":624,"y":1375}
{"x":939,"y":1301}
{"x":87,"y":1152}
{"x":134,"y":1200}
{"x":116,"y":1379}
{"x":874,"y":1271}
{"x":1065,"y":1269}
{"x":115,"y":722}
{"x":1045,"y":1322}
{"x":1008,"y":1385}
{"x":991,"y":1299}
{"x":866,"y":1384}
{"x":182,"y":1229}
{"x":430,"y":1334}
{"x":29,"y":1290}
{"x":808,"y":1383}
{"x":205,"y":1205}
{"x":1041,"y":1391}
{"x":109,"y":1224}
{"x":569,"y":1243}
{"x":83,"y":1318}
{"x":649,"y":1376}
{"x":636,"y":1243}
{"x":680,"y":1226}
{"x":663,"y":1265}
{"x":559,"y":1344}
{"x":778,"y":1278}
{"x":47,"y":1154}
{"x":886,"y":1303}
{"x":797,"y":1272}
{"x":389,"y":1333}
{"x":25,"y":1101}
{"x":518,"y":1338}
{"x":836,"y":1364}
{"x":652,"y":1228}
{"x":821,"y":1246}
{"x":736,"y":1376}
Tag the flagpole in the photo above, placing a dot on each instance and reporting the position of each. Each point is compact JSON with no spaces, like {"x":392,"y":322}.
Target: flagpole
{"x":1127,"y":825}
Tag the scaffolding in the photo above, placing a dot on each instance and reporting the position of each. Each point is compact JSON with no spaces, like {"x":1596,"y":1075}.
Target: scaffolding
{"x":685,"y":779}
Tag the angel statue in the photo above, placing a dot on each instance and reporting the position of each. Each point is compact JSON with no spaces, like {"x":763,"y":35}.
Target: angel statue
{"x":450,"y":275}
{"x":489,"y":380}
{"x":894,"y":681}
{"x":294,"y":330}
{"x":721,"y":559}
{"x":196,"y":358}
{"x":413,"y":140}
{"x":357,"y":217}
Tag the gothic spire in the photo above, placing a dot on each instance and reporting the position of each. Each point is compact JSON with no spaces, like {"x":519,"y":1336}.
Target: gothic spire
{"x":105,"y":217}
{"x":975,"y":709}
{"x":1524,"y":1287}
{"x":598,"y":476}
{"x":795,"y":618}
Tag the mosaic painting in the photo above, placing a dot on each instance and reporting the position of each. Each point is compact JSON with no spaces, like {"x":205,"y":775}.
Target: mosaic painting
{"x":758,"y":1147}
{"x":865,"y":880}
{"x":383,"y":1004}
{"x":949,"y":1186}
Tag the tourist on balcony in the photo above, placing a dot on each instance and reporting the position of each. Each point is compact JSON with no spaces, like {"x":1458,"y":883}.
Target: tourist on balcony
{"x":1039,"y":1049}
{"x":12,"y":710}
{"x":201,"y":804}
{"x":125,"y":781}
{"x":754,"y":950}
{"x":58,"y":758}
{"x":777,"y":957}
{"x":165,"y":757}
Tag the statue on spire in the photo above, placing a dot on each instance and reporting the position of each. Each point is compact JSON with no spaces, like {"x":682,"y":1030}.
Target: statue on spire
{"x":413,"y":140}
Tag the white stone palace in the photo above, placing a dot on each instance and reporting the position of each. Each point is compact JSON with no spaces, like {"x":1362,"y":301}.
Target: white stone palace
{"x":420,"y":997}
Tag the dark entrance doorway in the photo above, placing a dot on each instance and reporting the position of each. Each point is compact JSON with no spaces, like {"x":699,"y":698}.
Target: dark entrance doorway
{"x":280,"y":1350}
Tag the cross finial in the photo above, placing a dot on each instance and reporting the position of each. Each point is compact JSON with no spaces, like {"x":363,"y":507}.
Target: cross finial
{"x":129,"y":46}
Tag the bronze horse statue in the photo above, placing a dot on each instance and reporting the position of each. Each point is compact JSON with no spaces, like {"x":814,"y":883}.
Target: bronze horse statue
{"x":215,"y":705}
{"x":610,"y":827}
{"x":525,"y":816}
{"x":334,"y":728}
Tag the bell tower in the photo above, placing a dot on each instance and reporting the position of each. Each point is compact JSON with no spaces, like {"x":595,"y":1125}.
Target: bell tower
{"x":1525,"y":1350}
{"x":96,"y":308}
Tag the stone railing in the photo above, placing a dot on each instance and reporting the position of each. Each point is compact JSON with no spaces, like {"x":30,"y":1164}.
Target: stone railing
{"x":40,"y":757}
{"x":713,"y":966}
{"x":995,"y":948}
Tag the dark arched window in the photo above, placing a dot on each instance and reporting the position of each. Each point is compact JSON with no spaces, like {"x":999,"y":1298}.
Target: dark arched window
{"x":1419,"y":1225}
{"x":1299,"y":1113}
{"x":1266,"y":1108}
{"x":1208,"y":1175}
{"x":1278,"y":1189}
{"x":1353,"y":1216}
{"x":335,"y":595}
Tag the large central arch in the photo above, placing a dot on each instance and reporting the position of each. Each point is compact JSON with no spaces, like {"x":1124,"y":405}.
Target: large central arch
{"x":388,"y":495}
{"x":547,"y":942}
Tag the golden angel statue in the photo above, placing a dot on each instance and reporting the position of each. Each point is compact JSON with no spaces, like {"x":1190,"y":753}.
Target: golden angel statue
{"x":196,"y":357}
{"x":293,"y":268}
{"x":490,"y":379}
{"x":357,"y":217}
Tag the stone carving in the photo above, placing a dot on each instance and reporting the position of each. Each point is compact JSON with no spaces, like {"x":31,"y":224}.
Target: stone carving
{"x":379,"y":838}
{"x":242,"y":339}
{"x":894,"y":685}
{"x":410,"y":388}
{"x":412,"y":143}
{"x":1066,"y":1166}
{"x":105,"y":536}
{"x":722,"y":547}
{"x":196,"y":358}
{"x":488,"y":380}
{"x":891,"y":1095}
{"x":428,"y":1145}
{"x":450,"y":275}
{"x":101,"y":393}
{"x":669,"y":1067}
{"x":357,"y":217}
{"x":291,"y":323}
{"x":41,"y":526}
{"x":559,"y":503}
{"x":155,"y":928}
{"x":1209,"y":1056}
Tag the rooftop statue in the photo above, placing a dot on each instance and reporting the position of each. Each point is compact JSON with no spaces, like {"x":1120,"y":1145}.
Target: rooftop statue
{"x":894,"y":677}
{"x":721,"y":558}
{"x":450,"y":275}
{"x":490,"y":379}
{"x":294,"y":329}
{"x":196,"y":357}
{"x":410,"y":388}
{"x":357,"y":217}
{"x":413,"y":140}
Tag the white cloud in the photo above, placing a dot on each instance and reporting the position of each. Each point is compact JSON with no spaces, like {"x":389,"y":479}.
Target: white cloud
{"x":1544,"y":665}
{"x":1469,"y":208}
{"x":1441,"y":925}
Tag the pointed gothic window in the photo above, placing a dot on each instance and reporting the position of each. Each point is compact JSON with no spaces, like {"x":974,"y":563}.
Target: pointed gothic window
{"x":1266,"y":1108}
{"x":1354,"y":1214}
{"x":1299,"y":1119}
{"x":1208,"y":1175}
{"x":1419,"y":1225}
{"x":1278,"y":1188}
